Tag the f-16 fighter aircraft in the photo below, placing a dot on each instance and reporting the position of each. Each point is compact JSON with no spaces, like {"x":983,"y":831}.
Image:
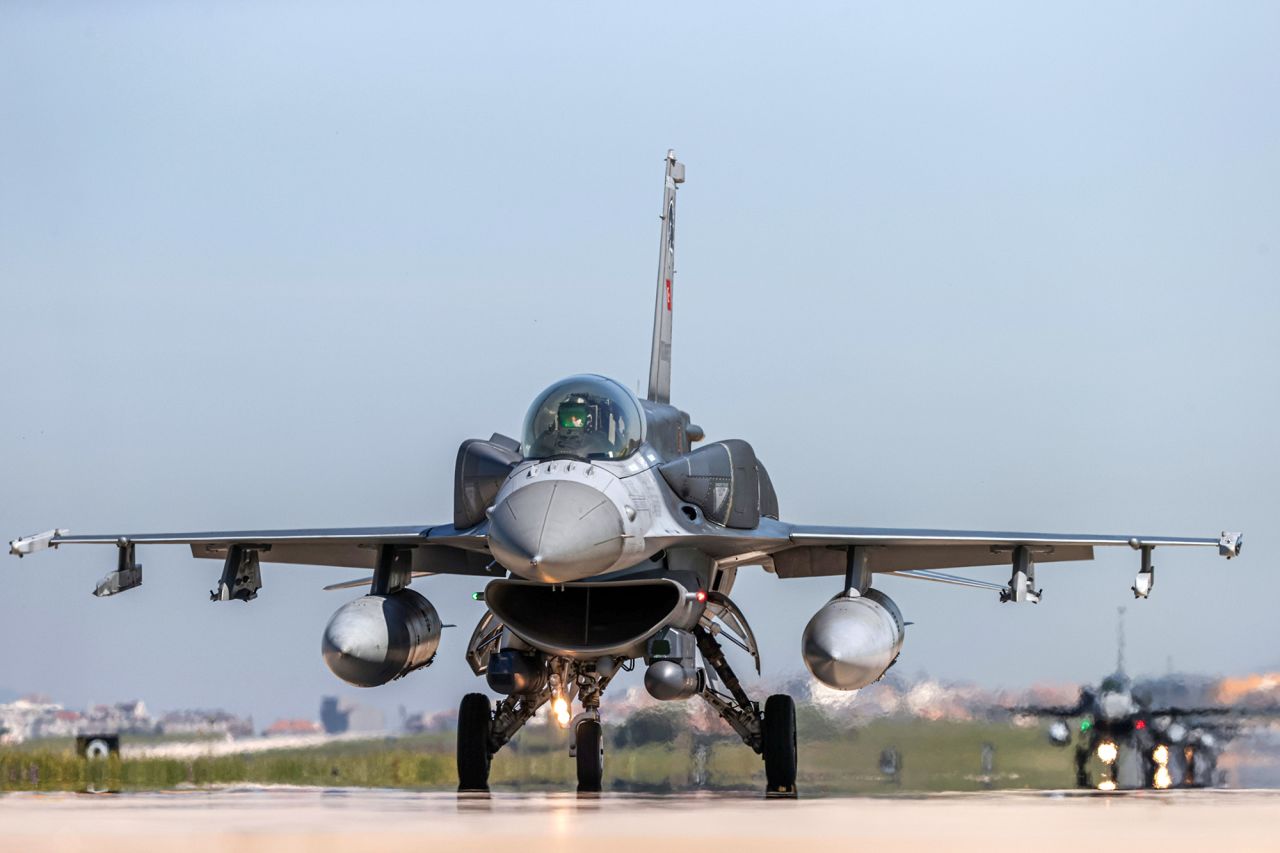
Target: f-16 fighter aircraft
{"x":1133,"y":743}
{"x":609,"y":538}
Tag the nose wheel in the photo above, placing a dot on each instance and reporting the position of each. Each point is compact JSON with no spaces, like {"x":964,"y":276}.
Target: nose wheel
{"x":589,"y":750}
{"x":475,"y":724}
{"x":778,"y":743}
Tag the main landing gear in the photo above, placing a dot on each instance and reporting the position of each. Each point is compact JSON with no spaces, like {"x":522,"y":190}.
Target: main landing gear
{"x":771,"y":734}
{"x":778,"y":746}
{"x":475,"y":725}
{"x":483,"y":728}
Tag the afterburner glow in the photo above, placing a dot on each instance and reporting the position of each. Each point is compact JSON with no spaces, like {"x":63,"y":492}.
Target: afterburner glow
{"x":560,"y":708}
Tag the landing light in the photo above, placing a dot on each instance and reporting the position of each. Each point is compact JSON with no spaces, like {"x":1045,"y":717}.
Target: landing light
{"x":1160,"y":755}
{"x":1107,"y":751}
{"x":1162,"y":779}
{"x":560,"y":708}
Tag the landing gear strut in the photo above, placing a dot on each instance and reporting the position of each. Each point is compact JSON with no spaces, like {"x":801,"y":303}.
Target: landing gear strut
{"x":483,"y":729}
{"x":772,"y":734}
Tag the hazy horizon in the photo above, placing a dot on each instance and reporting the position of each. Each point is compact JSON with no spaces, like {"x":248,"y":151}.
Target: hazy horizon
{"x":989,"y":267}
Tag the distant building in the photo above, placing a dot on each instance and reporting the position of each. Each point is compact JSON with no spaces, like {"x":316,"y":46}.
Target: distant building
{"x":121,"y":718}
{"x":203,"y":723}
{"x":340,"y":715}
{"x":25,"y":718}
{"x":293,"y":727}
{"x":58,"y":724}
{"x":439,"y":721}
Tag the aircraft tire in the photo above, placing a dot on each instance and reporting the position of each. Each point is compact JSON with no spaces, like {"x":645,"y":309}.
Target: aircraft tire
{"x":779,"y":745}
{"x":589,"y":743}
{"x":475,"y":721}
{"x":1082,"y":769}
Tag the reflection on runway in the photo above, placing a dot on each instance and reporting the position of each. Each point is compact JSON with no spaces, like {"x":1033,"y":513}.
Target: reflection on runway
{"x":346,"y":820}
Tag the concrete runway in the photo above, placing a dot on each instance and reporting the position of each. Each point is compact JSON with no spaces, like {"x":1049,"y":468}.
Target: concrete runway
{"x":284,"y":820}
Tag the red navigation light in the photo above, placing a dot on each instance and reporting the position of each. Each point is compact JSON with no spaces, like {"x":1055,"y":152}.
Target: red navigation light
{"x":701,"y":595}
{"x":1140,"y":725}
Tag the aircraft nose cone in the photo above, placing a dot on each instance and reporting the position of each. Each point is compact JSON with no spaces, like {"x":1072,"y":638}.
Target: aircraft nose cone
{"x":556,"y":531}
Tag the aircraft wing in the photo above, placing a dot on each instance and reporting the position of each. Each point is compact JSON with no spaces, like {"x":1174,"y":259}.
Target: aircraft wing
{"x":417,"y":548}
{"x":1059,"y":711}
{"x":815,"y":551}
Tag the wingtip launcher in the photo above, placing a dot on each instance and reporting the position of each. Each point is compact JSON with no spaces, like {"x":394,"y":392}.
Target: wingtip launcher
{"x":1229,"y":545}
{"x":25,"y":545}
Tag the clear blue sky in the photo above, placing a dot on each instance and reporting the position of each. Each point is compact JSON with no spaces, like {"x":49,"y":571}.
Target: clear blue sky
{"x":979,"y":265}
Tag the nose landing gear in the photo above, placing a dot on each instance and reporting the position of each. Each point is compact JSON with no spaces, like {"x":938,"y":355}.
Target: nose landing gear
{"x":588,"y":744}
{"x":484,"y":729}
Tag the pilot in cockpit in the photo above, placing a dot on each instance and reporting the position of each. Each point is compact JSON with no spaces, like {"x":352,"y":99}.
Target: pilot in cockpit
{"x":585,"y":417}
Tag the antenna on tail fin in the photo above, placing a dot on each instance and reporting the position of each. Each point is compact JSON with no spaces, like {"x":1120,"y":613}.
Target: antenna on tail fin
{"x":660,"y":356}
{"x":1120,"y":640}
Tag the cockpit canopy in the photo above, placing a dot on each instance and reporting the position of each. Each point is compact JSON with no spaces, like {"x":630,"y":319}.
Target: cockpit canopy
{"x":583,"y":417}
{"x":1117,"y":683}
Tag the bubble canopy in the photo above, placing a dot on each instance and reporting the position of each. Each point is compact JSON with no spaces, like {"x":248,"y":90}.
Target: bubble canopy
{"x":583,"y":417}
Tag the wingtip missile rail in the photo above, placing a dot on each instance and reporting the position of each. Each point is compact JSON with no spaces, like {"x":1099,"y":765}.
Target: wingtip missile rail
{"x":1229,"y":544}
{"x":25,"y":545}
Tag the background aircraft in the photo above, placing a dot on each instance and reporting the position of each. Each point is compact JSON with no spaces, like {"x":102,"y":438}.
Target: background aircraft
{"x":1123,"y":740}
{"x":607,"y":539}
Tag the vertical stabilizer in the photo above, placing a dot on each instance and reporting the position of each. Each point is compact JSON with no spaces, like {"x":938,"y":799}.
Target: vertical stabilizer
{"x":660,"y":356}
{"x":1120,"y":640}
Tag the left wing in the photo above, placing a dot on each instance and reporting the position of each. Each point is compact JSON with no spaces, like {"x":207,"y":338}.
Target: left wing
{"x":407,"y":550}
{"x":352,"y":547}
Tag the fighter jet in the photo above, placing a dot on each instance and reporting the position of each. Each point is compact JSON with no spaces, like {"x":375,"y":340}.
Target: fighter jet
{"x":1131,"y":742}
{"x":610,"y":534}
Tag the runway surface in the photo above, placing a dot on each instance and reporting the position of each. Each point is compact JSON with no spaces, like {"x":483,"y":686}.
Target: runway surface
{"x":285,"y":820}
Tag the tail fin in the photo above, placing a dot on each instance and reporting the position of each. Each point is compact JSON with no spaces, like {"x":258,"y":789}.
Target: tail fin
{"x":1120,"y":640}
{"x":660,"y":356}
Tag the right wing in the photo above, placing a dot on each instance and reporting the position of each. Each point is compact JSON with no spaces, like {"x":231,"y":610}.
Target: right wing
{"x":893,"y":550}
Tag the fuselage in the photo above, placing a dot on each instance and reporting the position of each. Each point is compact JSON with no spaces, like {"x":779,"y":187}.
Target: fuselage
{"x":588,"y":499}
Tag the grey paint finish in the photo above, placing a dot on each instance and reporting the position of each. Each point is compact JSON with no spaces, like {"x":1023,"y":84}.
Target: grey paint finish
{"x":479,"y":472}
{"x":807,"y":534}
{"x":660,"y":354}
{"x":378,"y":638}
{"x":349,"y":547}
{"x":556,"y":531}
{"x":828,"y":560}
{"x":721,"y":479}
{"x":853,"y":639}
